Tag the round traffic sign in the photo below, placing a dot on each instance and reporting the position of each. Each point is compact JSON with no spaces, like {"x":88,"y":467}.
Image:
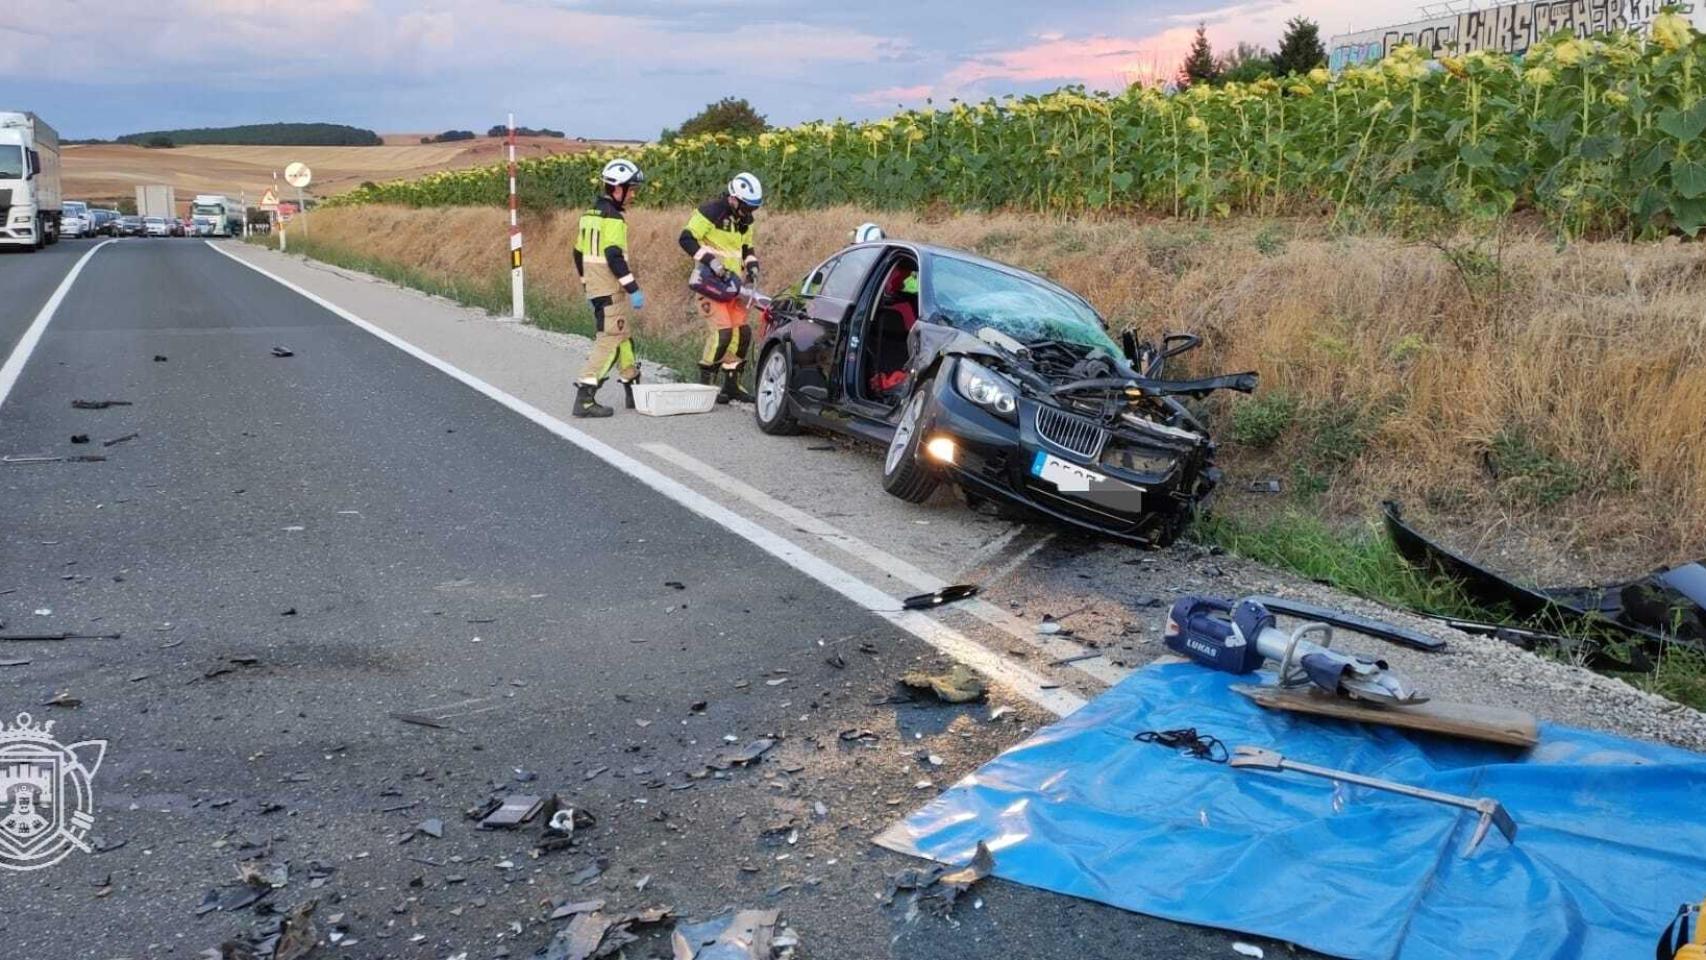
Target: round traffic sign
{"x":298,"y":174}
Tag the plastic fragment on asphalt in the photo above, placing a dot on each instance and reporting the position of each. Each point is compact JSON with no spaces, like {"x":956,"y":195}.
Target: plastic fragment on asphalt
{"x":514,"y":810}
{"x":737,"y":935}
{"x":1248,"y":950}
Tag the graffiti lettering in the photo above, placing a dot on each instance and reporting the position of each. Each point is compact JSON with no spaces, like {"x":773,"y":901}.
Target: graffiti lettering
{"x":1511,"y":28}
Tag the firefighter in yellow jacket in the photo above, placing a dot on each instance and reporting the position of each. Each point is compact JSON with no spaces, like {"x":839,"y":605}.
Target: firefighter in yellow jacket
{"x":719,"y":238}
{"x":601,"y":259}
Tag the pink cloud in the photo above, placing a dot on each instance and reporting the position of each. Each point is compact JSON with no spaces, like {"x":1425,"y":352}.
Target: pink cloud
{"x":1101,"y":63}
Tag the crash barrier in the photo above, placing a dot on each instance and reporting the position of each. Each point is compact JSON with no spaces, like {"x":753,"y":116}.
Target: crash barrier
{"x":1608,"y":836}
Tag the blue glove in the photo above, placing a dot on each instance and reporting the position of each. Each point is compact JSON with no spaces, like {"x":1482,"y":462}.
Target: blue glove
{"x":637,"y":299}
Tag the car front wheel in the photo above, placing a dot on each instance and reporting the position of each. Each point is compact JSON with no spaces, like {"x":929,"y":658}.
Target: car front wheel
{"x":904,"y":475}
{"x":771,"y":402}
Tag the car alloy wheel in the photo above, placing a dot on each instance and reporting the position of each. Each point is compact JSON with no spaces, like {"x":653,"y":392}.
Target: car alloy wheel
{"x":772,"y":384}
{"x":901,"y":446}
{"x":904,"y":476}
{"x":771,"y":404}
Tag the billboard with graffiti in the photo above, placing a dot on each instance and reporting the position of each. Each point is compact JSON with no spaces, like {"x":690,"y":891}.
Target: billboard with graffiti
{"x":1507,"y":28}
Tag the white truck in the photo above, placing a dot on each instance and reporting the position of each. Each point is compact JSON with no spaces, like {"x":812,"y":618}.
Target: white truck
{"x":29,"y":181}
{"x":157,"y":200}
{"x":216,"y":215}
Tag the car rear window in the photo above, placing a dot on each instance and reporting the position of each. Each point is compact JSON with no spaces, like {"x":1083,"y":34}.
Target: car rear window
{"x":848,"y":272}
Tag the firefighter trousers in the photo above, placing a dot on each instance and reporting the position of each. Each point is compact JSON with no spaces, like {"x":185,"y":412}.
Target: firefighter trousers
{"x":613,"y":346}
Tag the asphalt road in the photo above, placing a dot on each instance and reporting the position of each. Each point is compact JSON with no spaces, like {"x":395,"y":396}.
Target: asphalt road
{"x":296,"y":548}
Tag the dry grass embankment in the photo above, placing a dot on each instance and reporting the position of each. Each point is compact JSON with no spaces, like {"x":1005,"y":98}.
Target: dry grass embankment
{"x":1555,"y":397}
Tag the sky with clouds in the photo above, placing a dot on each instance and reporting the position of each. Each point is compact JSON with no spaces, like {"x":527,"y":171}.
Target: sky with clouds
{"x":595,"y":68}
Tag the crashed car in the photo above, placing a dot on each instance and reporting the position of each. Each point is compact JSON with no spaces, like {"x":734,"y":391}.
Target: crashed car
{"x":976,"y":373}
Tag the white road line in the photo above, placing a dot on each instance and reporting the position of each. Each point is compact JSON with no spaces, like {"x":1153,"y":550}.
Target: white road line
{"x":1056,"y":648}
{"x":1024,"y":682}
{"x":990,"y":550}
{"x":1006,"y":570}
{"x":27,"y":343}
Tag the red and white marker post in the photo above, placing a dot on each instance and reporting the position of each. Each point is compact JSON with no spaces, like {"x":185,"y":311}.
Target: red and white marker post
{"x":518,"y":309}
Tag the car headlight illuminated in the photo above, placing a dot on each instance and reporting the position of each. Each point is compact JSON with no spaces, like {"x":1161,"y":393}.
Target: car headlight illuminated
{"x":986,"y":388}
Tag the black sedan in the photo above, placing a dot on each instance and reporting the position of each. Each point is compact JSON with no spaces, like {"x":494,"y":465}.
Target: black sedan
{"x":976,"y":373}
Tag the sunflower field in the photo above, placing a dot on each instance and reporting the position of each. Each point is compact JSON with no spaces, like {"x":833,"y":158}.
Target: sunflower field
{"x":1598,"y":136}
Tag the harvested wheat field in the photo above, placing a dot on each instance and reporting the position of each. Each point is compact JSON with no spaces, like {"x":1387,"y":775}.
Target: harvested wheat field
{"x":1555,"y":396}
{"x":104,"y":171}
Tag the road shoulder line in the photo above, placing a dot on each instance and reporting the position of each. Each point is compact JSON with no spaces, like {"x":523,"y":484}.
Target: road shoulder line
{"x":990,"y":663}
{"x":14,"y":367}
{"x":1056,"y":648}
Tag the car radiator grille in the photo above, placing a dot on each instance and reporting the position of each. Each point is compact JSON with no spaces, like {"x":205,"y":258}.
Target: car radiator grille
{"x":1070,"y":432}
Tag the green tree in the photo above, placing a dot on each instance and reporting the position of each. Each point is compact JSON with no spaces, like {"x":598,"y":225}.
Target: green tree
{"x":1244,"y":63}
{"x":1199,"y":65}
{"x":158,"y":141}
{"x":728,"y":115}
{"x":1301,"y":49}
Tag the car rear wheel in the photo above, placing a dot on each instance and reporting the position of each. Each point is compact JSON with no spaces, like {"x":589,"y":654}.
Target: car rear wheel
{"x":771,"y":403}
{"x":903,"y":475}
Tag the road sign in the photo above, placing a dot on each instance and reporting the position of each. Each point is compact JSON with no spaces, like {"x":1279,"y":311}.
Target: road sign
{"x":269,"y":200}
{"x":298,"y":175}
{"x":286,"y":210}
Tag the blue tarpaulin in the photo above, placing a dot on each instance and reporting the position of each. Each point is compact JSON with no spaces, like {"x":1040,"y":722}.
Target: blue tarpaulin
{"x":1611,"y":832}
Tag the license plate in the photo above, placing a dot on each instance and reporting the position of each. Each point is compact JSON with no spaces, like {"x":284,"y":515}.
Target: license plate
{"x":1069,"y":477}
{"x":1095,"y":487}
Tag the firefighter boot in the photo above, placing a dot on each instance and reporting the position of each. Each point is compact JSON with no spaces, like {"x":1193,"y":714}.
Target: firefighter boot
{"x":732,"y":389}
{"x":707,"y":375}
{"x":628,"y":390}
{"x":586,"y":402}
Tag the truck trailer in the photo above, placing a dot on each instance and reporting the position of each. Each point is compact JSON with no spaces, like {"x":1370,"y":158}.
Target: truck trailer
{"x":216,"y":215}
{"x":157,"y":200}
{"x":29,"y":181}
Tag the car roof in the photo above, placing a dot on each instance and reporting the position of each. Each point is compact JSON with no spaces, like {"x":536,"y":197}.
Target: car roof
{"x":919,"y":250}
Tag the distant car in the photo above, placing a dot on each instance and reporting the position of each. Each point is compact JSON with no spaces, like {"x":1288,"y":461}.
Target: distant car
{"x":156,"y":227}
{"x":180,"y":227}
{"x":74,"y":219}
{"x":128,"y":226}
{"x":100,"y":222}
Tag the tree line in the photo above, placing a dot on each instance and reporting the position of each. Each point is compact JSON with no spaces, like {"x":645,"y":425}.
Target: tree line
{"x":260,"y":135}
{"x":1300,"y":51}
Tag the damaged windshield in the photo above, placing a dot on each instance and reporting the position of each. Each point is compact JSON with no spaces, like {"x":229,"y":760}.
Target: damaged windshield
{"x":971,"y":296}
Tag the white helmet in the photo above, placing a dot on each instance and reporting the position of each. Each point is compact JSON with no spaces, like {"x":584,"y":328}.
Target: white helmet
{"x":867,"y":233}
{"x":620,"y":171}
{"x":746,"y":188}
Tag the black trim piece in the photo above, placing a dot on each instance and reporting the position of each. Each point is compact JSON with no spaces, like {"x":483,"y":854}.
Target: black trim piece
{"x":1661,"y":608}
{"x":1353,"y":622}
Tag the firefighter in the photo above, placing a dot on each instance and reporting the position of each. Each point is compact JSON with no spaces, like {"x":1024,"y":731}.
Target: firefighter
{"x":601,"y":259}
{"x":719,"y":239}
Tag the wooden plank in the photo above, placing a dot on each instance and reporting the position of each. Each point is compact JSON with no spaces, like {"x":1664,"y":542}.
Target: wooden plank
{"x":1502,"y":725}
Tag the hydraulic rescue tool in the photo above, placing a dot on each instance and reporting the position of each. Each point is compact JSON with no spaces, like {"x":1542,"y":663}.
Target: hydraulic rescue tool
{"x":1493,"y":813}
{"x":1241,"y":637}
